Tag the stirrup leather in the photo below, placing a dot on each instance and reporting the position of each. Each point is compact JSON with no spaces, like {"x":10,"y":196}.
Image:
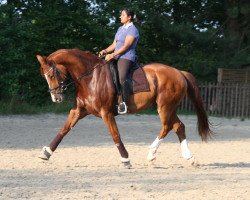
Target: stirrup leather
{"x":122,"y":108}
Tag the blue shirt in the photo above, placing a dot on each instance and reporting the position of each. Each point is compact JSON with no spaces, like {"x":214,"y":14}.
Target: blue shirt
{"x":120,"y":36}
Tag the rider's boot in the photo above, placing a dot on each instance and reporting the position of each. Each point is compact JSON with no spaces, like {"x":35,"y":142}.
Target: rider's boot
{"x":122,"y":107}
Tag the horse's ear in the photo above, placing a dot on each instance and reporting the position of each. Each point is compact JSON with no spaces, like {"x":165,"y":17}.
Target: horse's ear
{"x":41,"y":59}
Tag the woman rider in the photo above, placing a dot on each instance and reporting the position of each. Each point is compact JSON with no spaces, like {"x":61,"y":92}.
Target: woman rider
{"x":123,"y":48}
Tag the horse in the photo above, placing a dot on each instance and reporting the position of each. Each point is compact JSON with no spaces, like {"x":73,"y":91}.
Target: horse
{"x":95,"y":94}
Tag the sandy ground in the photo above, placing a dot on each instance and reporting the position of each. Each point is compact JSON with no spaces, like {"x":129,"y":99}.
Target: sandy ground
{"x":86,"y":164}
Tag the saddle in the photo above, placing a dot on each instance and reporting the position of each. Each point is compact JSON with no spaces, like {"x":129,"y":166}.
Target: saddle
{"x":136,"y":78}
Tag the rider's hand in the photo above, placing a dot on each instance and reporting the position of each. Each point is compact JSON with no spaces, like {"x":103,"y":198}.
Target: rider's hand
{"x":109,"y":57}
{"x":102,"y":52}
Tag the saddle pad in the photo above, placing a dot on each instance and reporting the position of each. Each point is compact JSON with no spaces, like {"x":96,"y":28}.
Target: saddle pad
{"x":139,"y":81}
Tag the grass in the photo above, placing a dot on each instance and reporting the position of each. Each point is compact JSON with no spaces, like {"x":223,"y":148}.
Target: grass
{"x":15,"y":108}
{"x":150,"y":111}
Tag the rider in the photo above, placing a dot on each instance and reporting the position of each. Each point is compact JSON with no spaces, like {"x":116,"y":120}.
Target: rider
{"x":123,"y":48}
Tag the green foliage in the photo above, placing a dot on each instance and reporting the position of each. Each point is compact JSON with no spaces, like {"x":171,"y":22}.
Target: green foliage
{"x":16,"y":107}
{"x":196,"y":36}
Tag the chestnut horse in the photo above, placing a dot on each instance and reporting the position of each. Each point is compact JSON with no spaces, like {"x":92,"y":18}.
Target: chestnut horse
{"x":95,"y":94}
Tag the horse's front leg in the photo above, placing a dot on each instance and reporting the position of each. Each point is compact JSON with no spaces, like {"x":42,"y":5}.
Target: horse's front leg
{"x":74,"y":115}
{"x":109,"y":120}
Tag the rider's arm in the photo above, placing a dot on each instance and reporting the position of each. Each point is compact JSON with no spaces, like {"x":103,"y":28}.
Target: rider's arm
{"x":128,"y":42}
{"x":111,"y":47}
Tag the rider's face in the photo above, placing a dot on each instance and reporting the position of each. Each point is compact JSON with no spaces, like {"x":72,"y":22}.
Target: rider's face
{"x":125,"y":18}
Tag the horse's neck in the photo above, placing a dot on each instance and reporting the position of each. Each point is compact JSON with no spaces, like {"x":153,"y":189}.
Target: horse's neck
{"x":86,"y":70}
{"x":74,"y":66}
{"x":91,"y":75}
{"x":89,"y":72}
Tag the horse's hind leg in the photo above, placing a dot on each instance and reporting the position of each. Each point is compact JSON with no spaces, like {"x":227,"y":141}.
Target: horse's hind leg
{"x":165,"y":115}
{"x":179,"y":129}
{"x":74,"y":115}
{"x":171,"y":121}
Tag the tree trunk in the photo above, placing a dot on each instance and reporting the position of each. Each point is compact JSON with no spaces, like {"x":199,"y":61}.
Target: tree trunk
{"x":237,"y":23}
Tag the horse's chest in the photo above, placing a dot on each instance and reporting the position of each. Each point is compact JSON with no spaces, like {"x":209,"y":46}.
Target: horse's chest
{"x":92,"y":106}
{"x":96,"y":100}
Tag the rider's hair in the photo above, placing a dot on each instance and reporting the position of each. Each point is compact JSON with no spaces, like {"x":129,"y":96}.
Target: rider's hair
{"x":131,"y":14}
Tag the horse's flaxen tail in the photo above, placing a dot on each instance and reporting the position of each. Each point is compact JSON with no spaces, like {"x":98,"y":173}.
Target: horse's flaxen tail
{"x":195,"y":96}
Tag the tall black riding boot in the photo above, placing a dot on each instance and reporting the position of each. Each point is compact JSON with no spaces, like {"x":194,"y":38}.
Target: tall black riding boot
{"x":123,"y":108}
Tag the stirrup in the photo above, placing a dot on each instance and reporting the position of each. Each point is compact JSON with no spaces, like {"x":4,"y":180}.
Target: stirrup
{"x":122,"y":108}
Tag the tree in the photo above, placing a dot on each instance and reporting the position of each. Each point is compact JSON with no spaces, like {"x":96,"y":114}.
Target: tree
{"x":196,"y":35}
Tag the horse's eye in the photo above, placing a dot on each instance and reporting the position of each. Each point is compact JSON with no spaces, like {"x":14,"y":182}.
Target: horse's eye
{"x":52,"y":77}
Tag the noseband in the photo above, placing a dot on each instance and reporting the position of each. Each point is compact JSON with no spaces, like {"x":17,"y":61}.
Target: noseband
{"x":61,"y":84}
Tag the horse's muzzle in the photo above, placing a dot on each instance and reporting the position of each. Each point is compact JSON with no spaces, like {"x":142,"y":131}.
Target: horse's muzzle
{"x":57,"y":98}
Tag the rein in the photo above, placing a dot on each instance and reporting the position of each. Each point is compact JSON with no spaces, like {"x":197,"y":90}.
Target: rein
{"x":86,"y":74}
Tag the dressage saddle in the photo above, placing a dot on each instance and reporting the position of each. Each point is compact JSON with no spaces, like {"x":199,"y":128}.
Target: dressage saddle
{"x":136,"y":78}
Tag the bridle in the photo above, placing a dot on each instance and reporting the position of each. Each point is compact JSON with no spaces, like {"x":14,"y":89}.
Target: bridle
{"x":61,"y":83}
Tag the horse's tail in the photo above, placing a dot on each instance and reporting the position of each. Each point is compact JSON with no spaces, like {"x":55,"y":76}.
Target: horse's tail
{"x":195,"y":96}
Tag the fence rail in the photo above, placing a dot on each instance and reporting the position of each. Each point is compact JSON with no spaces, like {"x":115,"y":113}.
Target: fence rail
{"x":224,"y":99}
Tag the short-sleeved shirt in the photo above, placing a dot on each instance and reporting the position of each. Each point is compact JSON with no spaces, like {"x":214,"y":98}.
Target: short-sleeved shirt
{"x":120,"y":36}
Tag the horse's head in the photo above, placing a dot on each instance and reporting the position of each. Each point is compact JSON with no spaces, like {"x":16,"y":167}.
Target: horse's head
{"x":54,"y":77}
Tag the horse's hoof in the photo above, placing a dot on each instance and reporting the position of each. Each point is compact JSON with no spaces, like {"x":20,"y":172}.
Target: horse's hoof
{"x":193,"y":162}
{"x":151,"y":157}
{"x":46,"y":153}
{"x":151,"y":154}
{"x":126,"y":165}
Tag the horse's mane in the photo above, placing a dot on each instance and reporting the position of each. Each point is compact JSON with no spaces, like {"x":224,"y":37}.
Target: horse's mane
{"x":75,"y":51}
{"x":85,"y":56}
{"x":57,"y":52}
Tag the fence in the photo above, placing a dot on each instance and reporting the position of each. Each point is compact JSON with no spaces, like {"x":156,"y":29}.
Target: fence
{"x":233,"y":75}
{"x":224,"y":99}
